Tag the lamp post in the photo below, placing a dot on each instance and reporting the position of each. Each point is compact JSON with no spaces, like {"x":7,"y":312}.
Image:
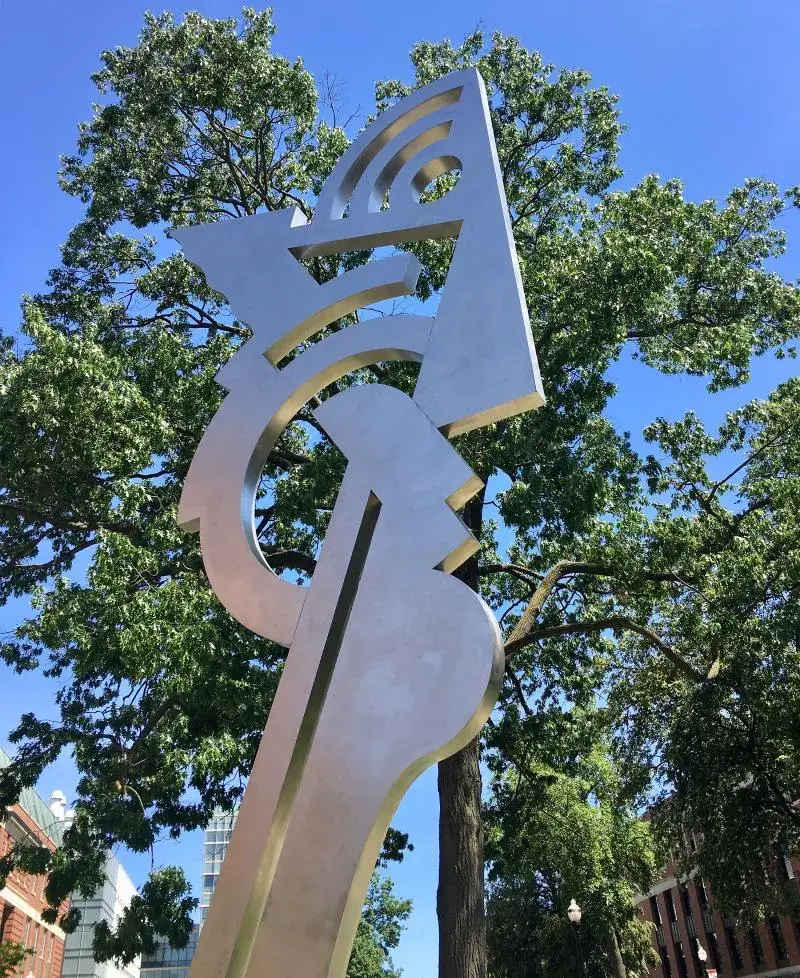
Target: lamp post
{"x":575,"y":913}
{"x":702,"y":957}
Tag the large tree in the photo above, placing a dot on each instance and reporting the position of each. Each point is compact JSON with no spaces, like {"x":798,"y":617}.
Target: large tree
{"x":628,"y":583}
{"x":560,"y":828}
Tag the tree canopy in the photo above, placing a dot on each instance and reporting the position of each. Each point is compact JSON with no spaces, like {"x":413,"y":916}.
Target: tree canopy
{"x":649,"y":600}
{"x":560,"y":828}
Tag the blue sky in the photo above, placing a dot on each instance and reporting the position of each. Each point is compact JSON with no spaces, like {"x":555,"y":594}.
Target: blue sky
{"x":709,"y":91}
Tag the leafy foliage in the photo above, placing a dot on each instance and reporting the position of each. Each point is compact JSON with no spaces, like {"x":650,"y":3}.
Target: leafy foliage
{"x":559,"y":827}
{"x":727,"y":741}
{"x":378,"y":932}
{"x":12,"y":955}
{"x":650,"y":604}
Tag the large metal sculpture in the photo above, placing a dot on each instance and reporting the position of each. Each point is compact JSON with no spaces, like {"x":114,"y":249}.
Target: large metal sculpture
{"x":392,"y":664}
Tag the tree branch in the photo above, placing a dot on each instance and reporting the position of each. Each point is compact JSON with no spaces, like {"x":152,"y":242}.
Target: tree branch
{"x":615,"y":623}
{"x":152,"y":722}
{"x":53,"y":563}
{"x":280,"y":559}
{"x":33,"y":513}
{"x":518,"y":689}
{"x":540,"y":596}
{"x":514,"y":570}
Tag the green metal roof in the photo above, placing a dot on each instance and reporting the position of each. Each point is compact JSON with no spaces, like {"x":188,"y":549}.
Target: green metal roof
{"x":32,"y":803}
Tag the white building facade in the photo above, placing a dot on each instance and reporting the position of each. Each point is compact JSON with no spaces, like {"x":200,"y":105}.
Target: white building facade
{"x":107,"y":904}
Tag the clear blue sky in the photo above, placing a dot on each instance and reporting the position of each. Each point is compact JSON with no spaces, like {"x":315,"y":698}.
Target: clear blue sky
{"x":709,"y":90}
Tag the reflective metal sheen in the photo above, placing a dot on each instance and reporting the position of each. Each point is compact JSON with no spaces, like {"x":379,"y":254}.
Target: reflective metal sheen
{"x":392,"y":664}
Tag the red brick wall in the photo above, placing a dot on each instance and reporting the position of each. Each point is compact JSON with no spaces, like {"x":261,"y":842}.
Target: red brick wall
{"x":46,"y":943}
{"x":695,"y":919}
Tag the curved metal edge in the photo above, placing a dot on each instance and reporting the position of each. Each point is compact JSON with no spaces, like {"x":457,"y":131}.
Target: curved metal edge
{"x":352,"y":164}
{"x":220,"y":486}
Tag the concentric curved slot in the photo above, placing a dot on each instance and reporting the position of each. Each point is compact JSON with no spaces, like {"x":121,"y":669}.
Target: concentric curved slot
{"x":375,"y":181}
{"x":433,"y":167}
{"x":348,"y":171}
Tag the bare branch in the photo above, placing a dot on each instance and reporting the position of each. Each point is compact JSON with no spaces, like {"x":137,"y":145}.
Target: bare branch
{"x":515,"y":570}
{"x":518,"y":689}
{"x":34,"y":514}
{"x":614,"y":623}
{"x":281,"y":559}
{"x":49,"y":565}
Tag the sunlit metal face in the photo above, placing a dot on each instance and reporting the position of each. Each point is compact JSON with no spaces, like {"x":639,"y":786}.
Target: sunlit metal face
{"x":392,"y":664}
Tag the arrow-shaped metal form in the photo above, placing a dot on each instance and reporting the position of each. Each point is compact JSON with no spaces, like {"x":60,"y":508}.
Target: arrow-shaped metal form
{"x":392,"y":664}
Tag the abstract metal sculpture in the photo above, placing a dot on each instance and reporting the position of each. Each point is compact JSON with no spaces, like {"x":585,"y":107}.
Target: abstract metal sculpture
{"x":392,"y":664}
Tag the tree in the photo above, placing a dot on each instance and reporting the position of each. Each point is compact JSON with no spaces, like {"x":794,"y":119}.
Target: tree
{"x":560,"y":827}
{"x":612,"y":587}
{"x":724,"y":740}
{"x":12,"y":955}
{"x":378,"y":932}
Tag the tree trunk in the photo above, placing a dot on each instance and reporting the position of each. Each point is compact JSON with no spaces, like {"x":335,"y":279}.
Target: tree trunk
{"x":615,"y":954}
{"x":460,"y":897}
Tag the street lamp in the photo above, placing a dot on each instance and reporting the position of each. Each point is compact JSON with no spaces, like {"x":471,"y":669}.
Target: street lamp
{"x":702,"y":956}
{"x":574,"y":913}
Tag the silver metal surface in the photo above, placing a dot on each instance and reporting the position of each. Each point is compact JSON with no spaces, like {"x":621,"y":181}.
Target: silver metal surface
{"x":392,"y":664}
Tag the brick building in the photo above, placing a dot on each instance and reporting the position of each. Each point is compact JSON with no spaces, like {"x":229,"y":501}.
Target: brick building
{"x":22,"y":898}
{"x":686,"y":924}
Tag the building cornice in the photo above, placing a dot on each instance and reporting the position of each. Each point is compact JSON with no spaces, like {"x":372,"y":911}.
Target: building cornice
{"x":12,"y":897}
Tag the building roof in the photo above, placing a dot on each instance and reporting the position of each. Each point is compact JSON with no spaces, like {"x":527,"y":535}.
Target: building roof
{"x":32,"y":803}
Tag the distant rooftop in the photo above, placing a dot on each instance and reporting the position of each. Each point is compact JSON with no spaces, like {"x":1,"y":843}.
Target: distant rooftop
{"x":32,"y":803}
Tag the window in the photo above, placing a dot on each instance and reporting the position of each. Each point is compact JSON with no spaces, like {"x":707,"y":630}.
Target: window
{"x":15,"y":831}
{"x":776,"y":933}
{"x":655,"y":913}
{"x":670,"y":903}
{"x":4,"y":918}
{"x":666,"y":967}
{"x":691,"y":930}
{"x":733,"y":946}
{"x":38,"y":962}
{"x":756,"y":947}
{"x":716,"y":957}
{"x":46,"y":964}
